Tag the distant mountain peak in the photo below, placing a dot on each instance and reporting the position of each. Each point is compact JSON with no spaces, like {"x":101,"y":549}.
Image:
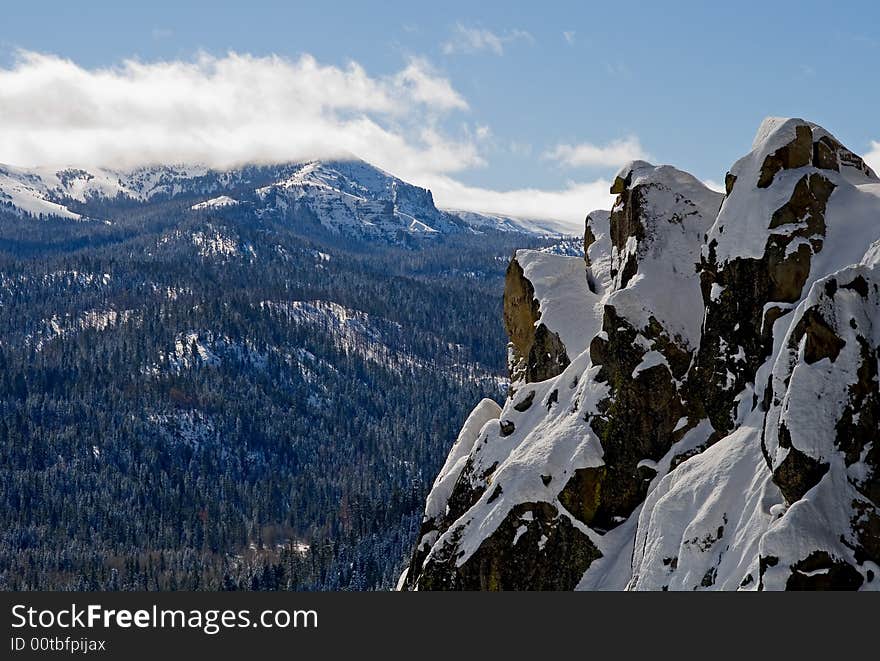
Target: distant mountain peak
{"x":347,"y":196}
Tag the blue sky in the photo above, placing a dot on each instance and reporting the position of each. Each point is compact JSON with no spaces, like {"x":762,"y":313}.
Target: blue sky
{"x":543,"y":96}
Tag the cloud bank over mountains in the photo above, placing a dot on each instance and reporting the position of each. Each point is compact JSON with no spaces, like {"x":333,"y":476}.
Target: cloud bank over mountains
{"x":236,"y":108}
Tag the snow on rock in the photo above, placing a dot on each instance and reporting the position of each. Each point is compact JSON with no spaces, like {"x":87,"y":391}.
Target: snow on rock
{"x":506,"y":490}
{"x":700,"y":527}
{"x":190,"y":427}
{"x":597,"y":251}
{"x":657,"y":230}
{"x":68,"y":324}
{"x":216,"y":203}
{"x":799,"y":206}
{"x":565,"y":303}
{"x":695,"y":405}
{"x":760,"y":183}
{"x":819,"y":434}
{"x":486,"y":411}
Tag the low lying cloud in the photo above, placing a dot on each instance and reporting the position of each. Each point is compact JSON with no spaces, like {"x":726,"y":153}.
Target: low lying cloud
{"x":614,"y":154}
{"x":238,"y":108}
{"x":872,"y":158}
{"x":569,"y":205}
{"x":470,"y":40}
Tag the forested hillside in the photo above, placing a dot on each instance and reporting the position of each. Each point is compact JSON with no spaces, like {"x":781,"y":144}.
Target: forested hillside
{"x":215,"y":398}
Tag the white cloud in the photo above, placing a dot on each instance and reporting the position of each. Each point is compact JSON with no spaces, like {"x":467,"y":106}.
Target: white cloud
{"x":872,"y":158}
{"x":427,"y":87}
{"x":614,"y":154}
{"x":226,"y":110}
{"x":569,"y":36}
{"x":469,"y":40}
{"x":714,"y":185}
{"x":569,"y":205}
{"x":482,"y":132}
{"x":239,"y":108}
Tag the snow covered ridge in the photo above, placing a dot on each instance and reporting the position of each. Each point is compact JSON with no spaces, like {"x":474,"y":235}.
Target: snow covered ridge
{"x":694,"y":404}
{"x":349,"y":197}
{"x":49,"y":191}
{"x":215,"y":203}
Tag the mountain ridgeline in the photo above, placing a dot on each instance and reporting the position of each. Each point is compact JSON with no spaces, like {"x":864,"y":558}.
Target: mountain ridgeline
{"x":237,"y":379}
{"x":694,"y":405}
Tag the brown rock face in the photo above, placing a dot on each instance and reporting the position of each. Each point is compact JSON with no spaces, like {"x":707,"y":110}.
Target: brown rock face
{"x":729,"y":181}
{"x":626,"y":222}
{"x":820,"y":339}
{"x":796,"y":154}
{"x":739,"y":316}
{"x":589,"y":239}
{"x":829,"y":154}
{"x":635,"y":422}
{"x":521,"y":309}
{"x":736,"y":317}
{"x":583,"y":493}
{"x":807,"y":206}
{"x":825,"y":154}
{"x":798,"y":472}
{"x":547,"y":357}
{"x":538,"y":353}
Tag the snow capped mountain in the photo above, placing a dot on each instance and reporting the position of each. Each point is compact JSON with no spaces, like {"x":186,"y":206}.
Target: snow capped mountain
{"x":694,"y":404}
{"x":354,"y":197}
{"x":346,"y":197}
{"x":50,"y":191}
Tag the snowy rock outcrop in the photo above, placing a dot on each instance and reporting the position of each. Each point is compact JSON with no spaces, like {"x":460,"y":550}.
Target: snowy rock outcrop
{"x":694,"y":404}
{"x":544,"y":313}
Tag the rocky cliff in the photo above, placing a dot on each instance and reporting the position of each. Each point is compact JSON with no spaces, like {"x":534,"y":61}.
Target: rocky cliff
{"x":694,"y":404}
